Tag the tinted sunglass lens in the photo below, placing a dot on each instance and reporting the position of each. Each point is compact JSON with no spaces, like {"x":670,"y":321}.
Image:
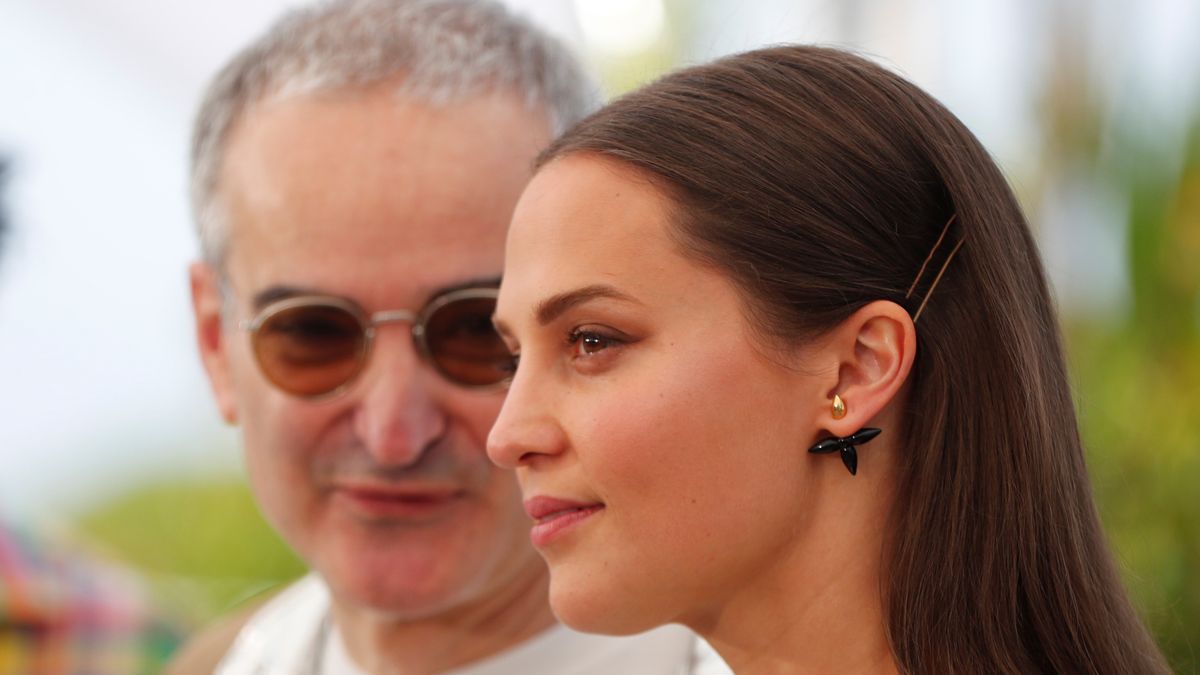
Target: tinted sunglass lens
{"x":463,"y":344}
{"x":310,"y":350}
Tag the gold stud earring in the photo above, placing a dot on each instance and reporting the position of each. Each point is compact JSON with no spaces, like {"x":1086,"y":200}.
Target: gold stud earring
{"x":839,"y":407}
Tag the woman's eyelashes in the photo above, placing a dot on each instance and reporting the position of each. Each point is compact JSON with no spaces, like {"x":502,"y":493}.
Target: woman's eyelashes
{"x":589,"y":343}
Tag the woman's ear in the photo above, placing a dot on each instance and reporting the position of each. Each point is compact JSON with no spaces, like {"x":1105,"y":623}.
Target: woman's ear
{"x":874,"y":350}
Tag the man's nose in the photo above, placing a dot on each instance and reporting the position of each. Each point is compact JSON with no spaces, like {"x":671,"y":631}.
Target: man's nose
{"x":398,"y":417}
{"x":527,"y":429}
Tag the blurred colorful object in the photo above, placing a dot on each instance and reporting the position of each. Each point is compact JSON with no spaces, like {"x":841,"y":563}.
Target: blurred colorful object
{"x":62,"y":611}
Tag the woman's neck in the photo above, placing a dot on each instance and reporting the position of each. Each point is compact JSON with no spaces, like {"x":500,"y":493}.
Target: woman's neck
{"x":819,"y":607}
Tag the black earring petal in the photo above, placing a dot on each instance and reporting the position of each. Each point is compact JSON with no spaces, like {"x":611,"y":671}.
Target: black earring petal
{"x":850,"y":459}
{"x":845,"y":447}
{"x":827,"y":446}
{"x":864,"y":435}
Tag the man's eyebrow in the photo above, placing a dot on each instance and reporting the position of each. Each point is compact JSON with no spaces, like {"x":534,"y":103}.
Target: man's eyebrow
{"x":478,"y":282}
{"x":276,"y":293}
{"x":554,"y":306}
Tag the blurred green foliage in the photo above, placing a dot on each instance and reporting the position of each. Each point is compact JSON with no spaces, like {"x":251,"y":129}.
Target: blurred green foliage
{"x":1138,"y":411}
{"x":1138,"y":390}
{"x":200,"y":543}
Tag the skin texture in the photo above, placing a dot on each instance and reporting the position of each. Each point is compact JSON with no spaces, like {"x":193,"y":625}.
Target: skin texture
{"x":651,"y":395}
{"x":384,"y":202}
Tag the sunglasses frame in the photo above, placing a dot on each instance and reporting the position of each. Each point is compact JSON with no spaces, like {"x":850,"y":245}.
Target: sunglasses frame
{"x":368,"y":323}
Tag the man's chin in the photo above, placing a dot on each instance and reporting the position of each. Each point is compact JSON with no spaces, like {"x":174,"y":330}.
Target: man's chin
{"x":389,"y":595}
{"x":403,"y":581}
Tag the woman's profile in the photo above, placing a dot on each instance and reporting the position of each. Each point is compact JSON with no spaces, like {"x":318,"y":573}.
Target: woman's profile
{"x":790,"y":374}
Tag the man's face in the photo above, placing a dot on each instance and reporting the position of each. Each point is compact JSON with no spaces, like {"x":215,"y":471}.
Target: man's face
{"x":384,"y":489}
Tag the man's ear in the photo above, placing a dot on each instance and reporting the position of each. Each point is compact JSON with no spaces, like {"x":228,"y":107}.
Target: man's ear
{"x":874,"y":350}
{"x":210,"y":337}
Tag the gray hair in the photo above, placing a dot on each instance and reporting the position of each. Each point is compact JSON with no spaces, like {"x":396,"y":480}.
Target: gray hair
{"x":444,"y":51}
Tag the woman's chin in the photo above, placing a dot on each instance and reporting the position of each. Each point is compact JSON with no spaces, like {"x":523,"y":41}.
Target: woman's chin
{"x":592,"y":608}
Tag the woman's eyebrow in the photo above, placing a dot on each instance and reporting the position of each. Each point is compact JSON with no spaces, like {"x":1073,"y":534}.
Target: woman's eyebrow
{"x":554,"y":306}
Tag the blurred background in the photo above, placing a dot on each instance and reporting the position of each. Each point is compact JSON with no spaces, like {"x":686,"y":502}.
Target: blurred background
{"x":1092,"y":108}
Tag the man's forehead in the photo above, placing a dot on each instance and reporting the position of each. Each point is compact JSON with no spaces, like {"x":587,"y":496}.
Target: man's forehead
{"x":390,"y":277}
{"x":349,"y":199}
{"x":383,"y":107}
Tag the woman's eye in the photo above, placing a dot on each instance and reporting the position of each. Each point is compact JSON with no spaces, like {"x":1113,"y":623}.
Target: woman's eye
{"x":588,"y":342}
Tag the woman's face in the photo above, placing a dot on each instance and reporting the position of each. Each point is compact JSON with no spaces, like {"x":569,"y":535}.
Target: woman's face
{"x":654,"y":437}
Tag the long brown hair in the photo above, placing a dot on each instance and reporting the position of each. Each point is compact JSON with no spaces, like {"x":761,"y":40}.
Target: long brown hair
{"x":819,"y":182}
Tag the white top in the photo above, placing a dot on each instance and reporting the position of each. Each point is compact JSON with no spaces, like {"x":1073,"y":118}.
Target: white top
{"x":288,"y":636}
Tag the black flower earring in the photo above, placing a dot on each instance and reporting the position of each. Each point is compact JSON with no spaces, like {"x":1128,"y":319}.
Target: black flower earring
{"x":844,"y":444}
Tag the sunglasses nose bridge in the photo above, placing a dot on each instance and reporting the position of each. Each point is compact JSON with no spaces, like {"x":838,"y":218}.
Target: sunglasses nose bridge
{"x":393,"y":316}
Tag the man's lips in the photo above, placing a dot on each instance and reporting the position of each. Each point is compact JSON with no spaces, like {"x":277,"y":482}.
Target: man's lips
{"x":555,"y":517}
{"x":384,"y":501}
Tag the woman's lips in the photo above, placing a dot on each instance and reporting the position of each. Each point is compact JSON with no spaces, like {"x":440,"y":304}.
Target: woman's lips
{"x":556,"y":517}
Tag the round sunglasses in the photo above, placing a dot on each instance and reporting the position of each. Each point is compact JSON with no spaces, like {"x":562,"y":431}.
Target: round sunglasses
{"x":315,"y":346}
